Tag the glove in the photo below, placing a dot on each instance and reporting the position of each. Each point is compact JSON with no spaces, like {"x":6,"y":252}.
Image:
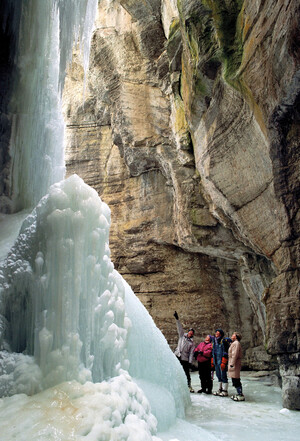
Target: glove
{"x":224,"y":363}
{"x":200,"y":352}
{"x":196,"y":355}
{"x":176,"y":315}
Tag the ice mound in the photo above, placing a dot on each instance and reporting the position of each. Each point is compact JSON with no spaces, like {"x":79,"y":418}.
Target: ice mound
{"x":114,"y":410}
{"x":67,"y":315}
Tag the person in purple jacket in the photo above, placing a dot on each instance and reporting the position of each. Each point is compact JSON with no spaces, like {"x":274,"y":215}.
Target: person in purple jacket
{"x":202,"y":353}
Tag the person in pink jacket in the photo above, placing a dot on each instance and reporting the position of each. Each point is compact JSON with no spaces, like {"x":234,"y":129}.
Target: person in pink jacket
{"x":202,"y":353}
{"x":234,"y":366}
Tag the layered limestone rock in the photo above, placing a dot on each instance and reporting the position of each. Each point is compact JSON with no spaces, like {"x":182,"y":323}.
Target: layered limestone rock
{"x":188,"y":128}
{"x":246,"y":157}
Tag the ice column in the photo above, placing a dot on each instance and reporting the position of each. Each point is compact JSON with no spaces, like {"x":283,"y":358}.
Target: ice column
{"x":66,"y":314}
{"x":61,"y":299}
{"x":48,"y":30}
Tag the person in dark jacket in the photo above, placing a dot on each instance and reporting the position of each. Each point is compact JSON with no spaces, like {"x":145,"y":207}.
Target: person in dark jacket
{"x":220,"y":358}
{"x":202,"y":354}
{"x":185,"y":349}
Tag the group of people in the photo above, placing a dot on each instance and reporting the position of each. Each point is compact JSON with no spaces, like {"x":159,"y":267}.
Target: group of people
{"x":216,"y":353}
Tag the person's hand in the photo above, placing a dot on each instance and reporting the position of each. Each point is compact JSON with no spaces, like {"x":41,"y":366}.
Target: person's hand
{"x":196,"y":354}
{"x":176,"y":315}
{"x":200,"y":352}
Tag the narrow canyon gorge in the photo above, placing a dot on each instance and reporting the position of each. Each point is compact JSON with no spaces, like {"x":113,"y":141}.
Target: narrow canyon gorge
{"x":187,"y":125}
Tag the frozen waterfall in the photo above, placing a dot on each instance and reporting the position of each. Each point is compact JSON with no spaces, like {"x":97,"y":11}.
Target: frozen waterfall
{"x":67,"y":315}
{"x":80,"y":356}
{"x":45,"y":32}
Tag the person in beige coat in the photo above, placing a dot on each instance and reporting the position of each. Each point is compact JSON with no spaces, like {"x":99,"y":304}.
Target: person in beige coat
{"x":234,"y":366}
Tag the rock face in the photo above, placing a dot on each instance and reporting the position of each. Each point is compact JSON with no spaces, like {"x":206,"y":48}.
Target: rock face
{"x":7,"y":54}
{"x":189,"y":130}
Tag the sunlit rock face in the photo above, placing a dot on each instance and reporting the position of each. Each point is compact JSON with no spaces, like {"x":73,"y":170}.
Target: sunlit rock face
{"x":189,"y":128}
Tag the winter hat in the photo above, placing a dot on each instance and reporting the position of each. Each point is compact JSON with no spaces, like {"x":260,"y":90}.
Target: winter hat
{"x":221,"y":332}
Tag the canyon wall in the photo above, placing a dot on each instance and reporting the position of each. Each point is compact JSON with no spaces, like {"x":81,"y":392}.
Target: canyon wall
{"x":187,"y":125}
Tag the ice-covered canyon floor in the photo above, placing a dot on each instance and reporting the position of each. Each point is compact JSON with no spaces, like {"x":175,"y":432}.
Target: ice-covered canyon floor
{"x":72,"y":412}
{"x":259,"y":418}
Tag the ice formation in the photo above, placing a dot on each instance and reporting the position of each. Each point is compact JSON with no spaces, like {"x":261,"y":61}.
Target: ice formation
{"x":63,"y":298}
{"x":80,"y":356}
{"x":115,"y":410}
{"x":63,"y":315}
{"x":47,"y":31}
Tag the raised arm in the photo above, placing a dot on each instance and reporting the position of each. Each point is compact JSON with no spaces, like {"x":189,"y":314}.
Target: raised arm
{"x":179,"y":325}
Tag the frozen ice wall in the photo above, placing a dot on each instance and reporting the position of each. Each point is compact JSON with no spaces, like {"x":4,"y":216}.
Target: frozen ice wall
{"x":63,"y":315}
{"x":72,"y":333}
{"x":61,"y":299}
{"x":156,"y":370}
{"x":46,"y":33}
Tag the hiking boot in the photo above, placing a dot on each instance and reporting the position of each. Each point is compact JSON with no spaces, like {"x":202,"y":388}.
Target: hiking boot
{"x":218,"y":393}
{"x":224,"y":393}
{"x":239,"y":397}
{"x":199,"y":391}
{"x":191,"y":389}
